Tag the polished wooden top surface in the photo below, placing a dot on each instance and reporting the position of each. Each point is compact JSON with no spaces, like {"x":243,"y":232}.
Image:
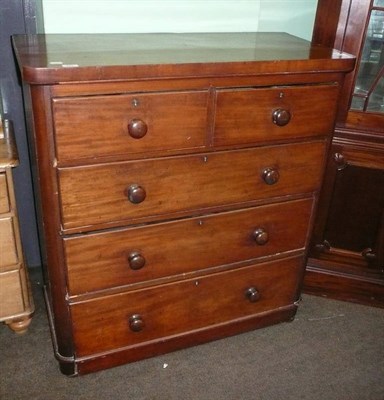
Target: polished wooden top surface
{"x":59,"y":58}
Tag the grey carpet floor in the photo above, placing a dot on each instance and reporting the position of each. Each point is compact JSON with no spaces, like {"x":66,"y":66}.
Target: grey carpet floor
{"x":332,"y":350}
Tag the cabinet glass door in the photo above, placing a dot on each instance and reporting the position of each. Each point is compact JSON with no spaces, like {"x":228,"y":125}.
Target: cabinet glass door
{"x":369,"y":87}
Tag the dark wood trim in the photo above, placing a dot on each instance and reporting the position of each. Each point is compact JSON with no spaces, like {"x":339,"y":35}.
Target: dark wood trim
{"x":346,"y":287}
{"x":45,"y":182}
{"x":327,"y":22}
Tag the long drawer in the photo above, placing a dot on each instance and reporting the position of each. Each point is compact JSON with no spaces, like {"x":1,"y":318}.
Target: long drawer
{"x":104,"y":260}
{"x":102,"y":126}
{"x":127,"y":319}
{"x":127,"y":191}
{"x":279,"y":113}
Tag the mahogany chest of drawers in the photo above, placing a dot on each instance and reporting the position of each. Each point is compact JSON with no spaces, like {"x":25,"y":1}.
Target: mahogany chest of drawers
{"x":177,"y":176}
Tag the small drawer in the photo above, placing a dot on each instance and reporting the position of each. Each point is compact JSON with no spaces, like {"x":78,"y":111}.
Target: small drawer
{"x":4,"y":198}
{"x":130,"y":318}
{"x":104,"y":260}
{"x":11,"y":294}
{"x":126,"y":125}
{"x":129,"y":191}
{"x":278,"y":113}
{"x":8,"y":249}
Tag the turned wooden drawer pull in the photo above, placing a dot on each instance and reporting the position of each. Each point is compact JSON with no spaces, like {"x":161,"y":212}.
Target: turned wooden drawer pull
{"x":369,"y":254}
{"x":136,"y":323}
{"x":252,"y":294}
{"x":136,"y":260}
{"x":137,"y":128}
{"x":270,"y":176}
{"x":281,"y":117}
{"x":136,"y":194}
{"x":261,"y":236}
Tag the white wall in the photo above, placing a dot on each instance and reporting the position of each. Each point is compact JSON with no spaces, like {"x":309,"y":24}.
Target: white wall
{"x":116,"y":16}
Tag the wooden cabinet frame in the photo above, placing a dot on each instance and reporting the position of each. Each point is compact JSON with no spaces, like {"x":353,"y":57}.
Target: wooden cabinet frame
{"x":337,"y":270}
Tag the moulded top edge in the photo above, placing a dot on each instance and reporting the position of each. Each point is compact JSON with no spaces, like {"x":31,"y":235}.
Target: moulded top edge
{"x":47,"y":59}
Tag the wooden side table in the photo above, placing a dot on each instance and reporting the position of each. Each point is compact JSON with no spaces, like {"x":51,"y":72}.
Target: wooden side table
{"x":16,"y":303}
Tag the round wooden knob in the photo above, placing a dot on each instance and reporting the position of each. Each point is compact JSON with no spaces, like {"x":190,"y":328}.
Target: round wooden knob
{"x":281,"y":117}
{"x":136,"y":194}
{"x":136,"y":260}
{"x":270,"y":176}
{"x":136,"y":323}
{"x":369,"y":254}
{"x":137,"y":128}
{"x":252,"y":294}
{"x":261,"y":236}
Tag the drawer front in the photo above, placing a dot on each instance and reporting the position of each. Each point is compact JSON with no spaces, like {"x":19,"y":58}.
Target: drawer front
{"x":11,"y":295}
{"x":102,"y":126}
{"x":261,"y":115}
{"x":108,"y":323}
{"x":129,"y":191}
{"x":4,"y":200}
{"x":8,"y":250}
{"x":105,"y":260}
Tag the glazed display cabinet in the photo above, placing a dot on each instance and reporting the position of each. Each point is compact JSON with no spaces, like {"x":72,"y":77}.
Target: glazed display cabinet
{"x":347,"y":249}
